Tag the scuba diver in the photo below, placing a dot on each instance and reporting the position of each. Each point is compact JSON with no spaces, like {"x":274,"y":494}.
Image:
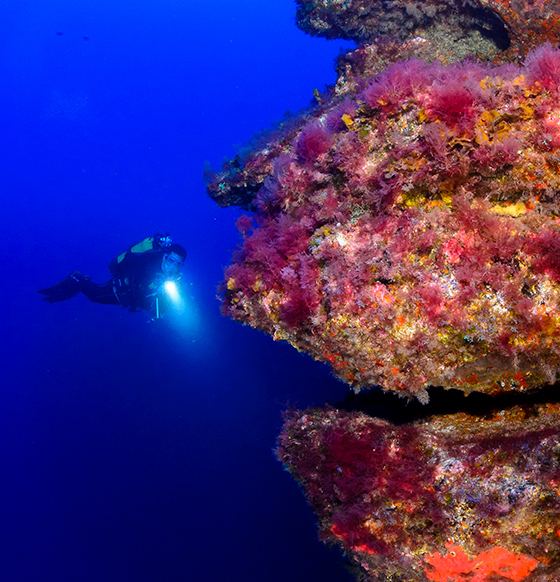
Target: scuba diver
{"x":139,"y":276}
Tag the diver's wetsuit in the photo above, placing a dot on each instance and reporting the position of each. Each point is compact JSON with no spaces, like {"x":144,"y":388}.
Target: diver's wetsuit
{"x":135,"y":283}
{"x":99,"y":293}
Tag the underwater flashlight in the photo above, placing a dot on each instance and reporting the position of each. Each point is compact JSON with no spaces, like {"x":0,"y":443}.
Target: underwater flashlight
{"x":172,"y":291}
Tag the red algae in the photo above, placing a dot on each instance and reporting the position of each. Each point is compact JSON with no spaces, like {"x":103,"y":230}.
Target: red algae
{"x":454,"y":498}
{"x":417,"y":242}
{"x":406,"y":232}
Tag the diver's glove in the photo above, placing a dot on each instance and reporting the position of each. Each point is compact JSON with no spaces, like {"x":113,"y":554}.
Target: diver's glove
{"x":66,"y":289}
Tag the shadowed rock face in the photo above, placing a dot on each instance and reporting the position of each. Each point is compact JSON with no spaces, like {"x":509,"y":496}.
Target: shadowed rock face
{"x":367,"y":20}
{"x":522,"y":23}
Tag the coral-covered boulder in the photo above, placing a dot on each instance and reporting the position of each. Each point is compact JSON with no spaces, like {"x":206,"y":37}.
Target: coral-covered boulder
{"x":455,"y":498}
{"x":409,"y":234}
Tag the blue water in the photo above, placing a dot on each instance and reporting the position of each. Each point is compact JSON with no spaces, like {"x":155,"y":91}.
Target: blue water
{"x":132,"y":451}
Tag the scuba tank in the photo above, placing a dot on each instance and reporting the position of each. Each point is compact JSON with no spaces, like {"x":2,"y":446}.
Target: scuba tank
{"x":121,"y":264}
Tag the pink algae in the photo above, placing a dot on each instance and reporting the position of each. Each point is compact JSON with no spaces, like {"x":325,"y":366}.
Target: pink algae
{"x":415,"y":242}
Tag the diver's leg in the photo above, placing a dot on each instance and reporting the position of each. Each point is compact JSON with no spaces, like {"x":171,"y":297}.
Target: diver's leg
{"x":103,"y":293}
{"x":66,"y":289}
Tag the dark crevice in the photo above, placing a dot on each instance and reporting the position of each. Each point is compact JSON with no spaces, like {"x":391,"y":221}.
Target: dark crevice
{"x":391,"y":407}
{"x":491,"y":26}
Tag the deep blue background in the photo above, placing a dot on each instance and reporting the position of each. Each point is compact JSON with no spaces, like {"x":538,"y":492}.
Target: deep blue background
{"x":132,"y":451}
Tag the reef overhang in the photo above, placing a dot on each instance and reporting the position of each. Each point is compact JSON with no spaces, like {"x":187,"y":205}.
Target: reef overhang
{"x":408,"y":234}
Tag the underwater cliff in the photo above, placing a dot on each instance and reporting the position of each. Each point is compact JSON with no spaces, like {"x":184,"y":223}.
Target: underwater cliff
{"x":405,"y":231}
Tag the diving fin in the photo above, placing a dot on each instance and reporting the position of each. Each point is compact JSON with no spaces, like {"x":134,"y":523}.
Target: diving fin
{"x":66,"y":289}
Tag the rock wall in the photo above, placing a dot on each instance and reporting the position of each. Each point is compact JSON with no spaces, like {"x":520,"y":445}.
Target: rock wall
{"x":405,"y":230}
